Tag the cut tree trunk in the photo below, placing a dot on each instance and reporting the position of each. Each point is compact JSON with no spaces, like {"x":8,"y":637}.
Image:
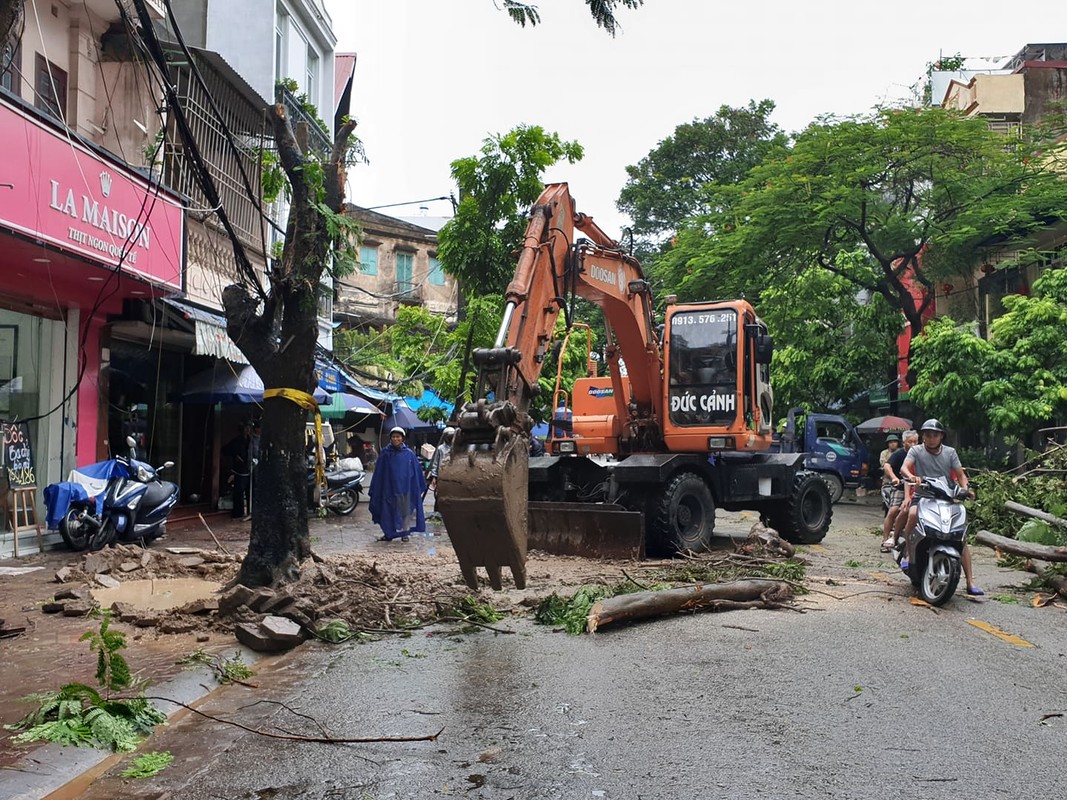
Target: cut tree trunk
{"x":699,"y":597}
{"x":1044,"y":516}
{"x":1043,"y":552}
{"x":1053,"y":579}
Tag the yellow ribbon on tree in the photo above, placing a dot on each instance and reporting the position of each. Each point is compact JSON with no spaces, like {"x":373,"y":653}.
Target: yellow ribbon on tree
{"x":305,"y":400}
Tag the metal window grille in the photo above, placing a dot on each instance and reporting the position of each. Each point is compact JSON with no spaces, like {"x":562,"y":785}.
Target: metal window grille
{"x":245,"y":121}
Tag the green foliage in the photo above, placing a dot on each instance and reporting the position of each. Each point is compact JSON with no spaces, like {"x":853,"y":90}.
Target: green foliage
{"x":148,"y":765}
{"x":471,"y":608}
{"x":345,"y":233}
{"x":792,"y":570}
{"x":335,"y":631}
{"x":497,"y":187}
{"x":1027,"y":385}
{"x":572,"y":613}
{"x":1045,"y":491}
{"x":112,"y":671}
{"x":82,"y":716}
{"x":890,"y":185}
{"x":419,"y":349}
{"x":272,"y":180}
{"x":1006,"y":599}
{"x":1037,"y":531}
{"x":227,"y":670}
{"x":603,"y":12}
{"x":951,"y":363}
{"x":78,"y":715}
{"x":830,"y":343}
{"x":575,"y":365}
{"x":667,"y":186}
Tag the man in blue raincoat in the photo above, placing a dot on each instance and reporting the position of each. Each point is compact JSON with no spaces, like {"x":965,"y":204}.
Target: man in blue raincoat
{"x":396,"y":490}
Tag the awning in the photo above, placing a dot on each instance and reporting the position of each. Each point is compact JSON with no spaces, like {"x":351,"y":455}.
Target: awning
{"x":229,"y":386}
{"x":210,"y":332}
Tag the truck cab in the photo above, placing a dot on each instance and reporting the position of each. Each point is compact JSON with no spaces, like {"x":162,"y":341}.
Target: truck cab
{"x":831,"y":448}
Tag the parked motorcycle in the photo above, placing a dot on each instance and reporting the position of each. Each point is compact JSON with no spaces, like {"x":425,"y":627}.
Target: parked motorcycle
{"x":937,"y":541}
{"x":136,"y":505}
{"x":342,"y":490}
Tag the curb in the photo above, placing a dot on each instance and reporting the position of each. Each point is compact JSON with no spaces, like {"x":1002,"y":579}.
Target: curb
{"x":51,"y":767}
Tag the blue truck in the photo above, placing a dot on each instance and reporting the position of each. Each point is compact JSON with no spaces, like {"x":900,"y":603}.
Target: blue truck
{"x":831,"y":446}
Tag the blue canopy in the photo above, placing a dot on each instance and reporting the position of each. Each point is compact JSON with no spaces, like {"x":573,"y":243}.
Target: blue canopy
{"x":405,"y":418}
{"x":429,"y":398}
{"x":230,"y":386}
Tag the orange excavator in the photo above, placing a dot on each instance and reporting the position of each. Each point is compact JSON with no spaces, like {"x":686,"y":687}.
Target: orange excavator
{"x":637,"y":460}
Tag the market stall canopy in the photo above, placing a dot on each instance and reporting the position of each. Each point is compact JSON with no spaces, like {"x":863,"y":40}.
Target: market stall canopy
{"x":343,"y":403}
{"x":884,"y":424}
{"x":230,"y":386}
{"x":431,"y":399}
{"x":405,"y":418}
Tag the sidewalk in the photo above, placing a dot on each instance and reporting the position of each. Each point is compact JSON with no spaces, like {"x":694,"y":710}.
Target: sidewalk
{"x":49,"y":654}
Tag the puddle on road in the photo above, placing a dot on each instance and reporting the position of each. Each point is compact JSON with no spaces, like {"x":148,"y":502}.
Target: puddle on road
{"x":161,"y":594}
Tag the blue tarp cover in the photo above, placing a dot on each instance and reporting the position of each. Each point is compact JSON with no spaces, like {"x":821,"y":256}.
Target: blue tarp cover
{"x":83,"y":483}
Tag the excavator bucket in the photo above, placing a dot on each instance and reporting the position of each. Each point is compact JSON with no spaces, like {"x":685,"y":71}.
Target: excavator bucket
{"x":481,"y":496}
{"x":591,"y":530}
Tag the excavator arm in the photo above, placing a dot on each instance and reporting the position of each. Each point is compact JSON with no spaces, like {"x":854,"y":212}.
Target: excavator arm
{"x":482,"y":491}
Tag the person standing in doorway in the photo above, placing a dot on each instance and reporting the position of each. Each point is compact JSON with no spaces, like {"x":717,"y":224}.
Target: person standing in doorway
{"x":237,"y":450}
{"x":397,"y":489}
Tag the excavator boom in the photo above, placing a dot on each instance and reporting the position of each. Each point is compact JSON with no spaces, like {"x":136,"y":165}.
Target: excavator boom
{"x":482,"y":490}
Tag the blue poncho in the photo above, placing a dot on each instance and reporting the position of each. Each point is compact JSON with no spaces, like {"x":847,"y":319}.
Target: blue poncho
{"x":396,"y":492}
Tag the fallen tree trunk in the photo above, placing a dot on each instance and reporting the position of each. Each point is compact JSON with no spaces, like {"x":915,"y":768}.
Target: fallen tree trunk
{"x":1053,"y":579}
{"x":1044,"y":516}
{"x":700,"y":596}
{"x":1043,"y":552}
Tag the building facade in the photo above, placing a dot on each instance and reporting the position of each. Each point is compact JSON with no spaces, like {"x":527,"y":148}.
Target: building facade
{"x":398,"y":265}
{"x":1017,"y":95}
{"x":86,"y":227}
{"x":112,"y":257}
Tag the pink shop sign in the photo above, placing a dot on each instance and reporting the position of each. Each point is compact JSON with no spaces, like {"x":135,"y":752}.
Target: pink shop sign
{"x":63,"y":193}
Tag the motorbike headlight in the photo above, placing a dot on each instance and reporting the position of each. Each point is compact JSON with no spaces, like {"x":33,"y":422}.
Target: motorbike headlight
{"x":132,"y":504}
{"x":142,"y":475}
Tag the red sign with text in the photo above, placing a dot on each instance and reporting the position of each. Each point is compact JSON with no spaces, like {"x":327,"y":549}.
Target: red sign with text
{"x":64,"y":193}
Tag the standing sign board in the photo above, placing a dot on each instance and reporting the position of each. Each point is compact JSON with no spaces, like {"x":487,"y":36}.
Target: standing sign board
{"x":18,"y":455}
{"x":20,"y":499}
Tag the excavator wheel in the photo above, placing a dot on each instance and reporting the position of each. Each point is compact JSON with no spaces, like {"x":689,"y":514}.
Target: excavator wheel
{"x":803,"y":517}
{"x":482,"y":498}
{"x":681,"y":517}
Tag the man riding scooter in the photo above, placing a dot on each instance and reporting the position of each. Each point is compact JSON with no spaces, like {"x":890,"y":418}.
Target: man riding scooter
{"x":933,"y":459}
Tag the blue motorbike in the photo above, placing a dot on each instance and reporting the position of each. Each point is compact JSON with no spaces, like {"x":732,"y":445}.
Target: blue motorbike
{"x":136,"y":505}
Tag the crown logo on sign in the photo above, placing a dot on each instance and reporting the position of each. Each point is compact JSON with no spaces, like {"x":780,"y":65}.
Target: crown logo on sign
{"x":105,"y":183}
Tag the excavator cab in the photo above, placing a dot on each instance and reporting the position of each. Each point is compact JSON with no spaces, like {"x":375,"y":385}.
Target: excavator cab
{"x":718,"y":394}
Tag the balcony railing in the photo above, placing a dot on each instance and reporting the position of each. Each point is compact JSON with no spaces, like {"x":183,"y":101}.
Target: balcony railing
{"x":318,"y":140}
{"x":408,"y":292}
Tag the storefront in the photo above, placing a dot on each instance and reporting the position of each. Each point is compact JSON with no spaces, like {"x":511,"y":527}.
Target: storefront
{"x":80,"y":232}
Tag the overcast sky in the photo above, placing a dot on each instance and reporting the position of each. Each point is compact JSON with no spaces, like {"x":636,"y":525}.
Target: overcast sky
{"x":434,"y":78}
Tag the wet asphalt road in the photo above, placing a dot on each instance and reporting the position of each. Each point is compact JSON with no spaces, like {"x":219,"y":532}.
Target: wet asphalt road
{"x":863,"y":697}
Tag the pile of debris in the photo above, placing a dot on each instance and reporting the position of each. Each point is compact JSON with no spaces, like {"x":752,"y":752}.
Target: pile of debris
{"x":348,"y":588}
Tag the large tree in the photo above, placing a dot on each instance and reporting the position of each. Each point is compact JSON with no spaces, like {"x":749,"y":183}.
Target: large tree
{"x":831,"y":342}
{"x":1017,"y":380}
{"x":916,"y":191}
{"x":496,"y":189}
{"x":667,"y":186}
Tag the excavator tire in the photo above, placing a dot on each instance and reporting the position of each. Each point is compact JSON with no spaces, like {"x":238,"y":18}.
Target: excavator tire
{"x":482,"y":498}
{"x":681,"y":517}
{"x":803,"y":517}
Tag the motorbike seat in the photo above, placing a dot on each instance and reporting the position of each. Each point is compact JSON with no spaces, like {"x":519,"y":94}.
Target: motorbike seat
{"x":341,"y":478}
{"x":158,"y":493}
